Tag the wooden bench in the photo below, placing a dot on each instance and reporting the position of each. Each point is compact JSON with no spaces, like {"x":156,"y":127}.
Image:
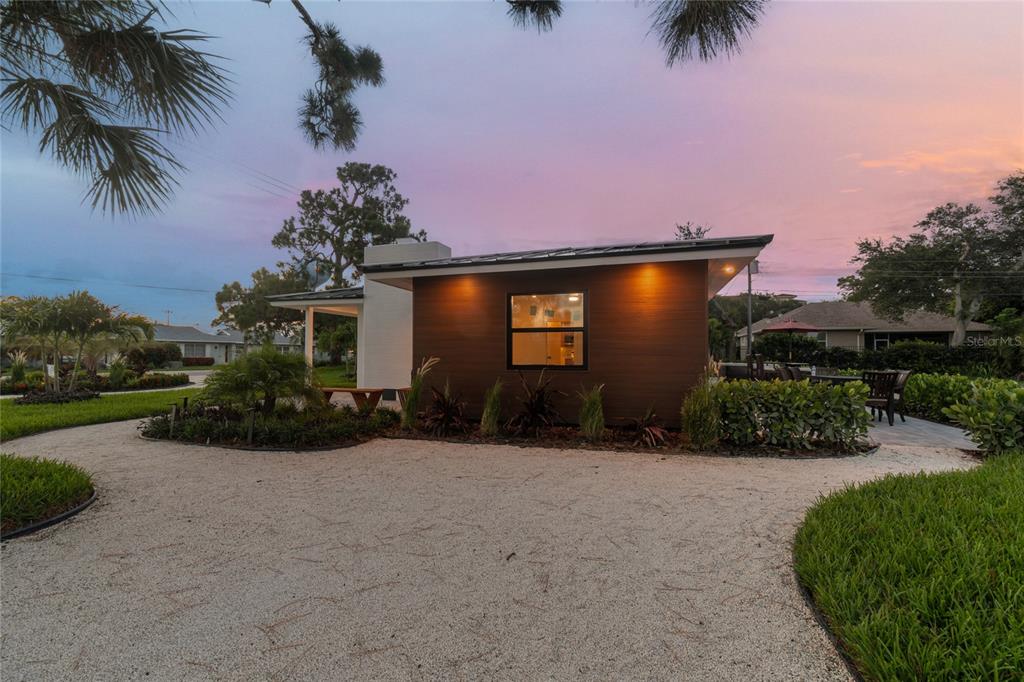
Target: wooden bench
{"x":366,"y":399}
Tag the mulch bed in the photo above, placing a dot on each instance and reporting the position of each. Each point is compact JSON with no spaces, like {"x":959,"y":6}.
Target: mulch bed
{"x":623,"y":440}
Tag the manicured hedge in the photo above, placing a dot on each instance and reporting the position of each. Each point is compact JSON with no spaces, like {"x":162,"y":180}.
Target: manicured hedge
{"x":792,"y":414}
{"x":33,"y":490}
{"x":921,"y":577}
{"x":928,"y":395}
{"x":918,"y":356}
{"x":197,"y":362}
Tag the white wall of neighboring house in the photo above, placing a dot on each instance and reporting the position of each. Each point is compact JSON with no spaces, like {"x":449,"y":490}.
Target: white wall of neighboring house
{"x":384,"y":329}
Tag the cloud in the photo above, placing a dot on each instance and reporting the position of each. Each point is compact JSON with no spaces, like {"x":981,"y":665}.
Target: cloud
{"x":1002,"y":155}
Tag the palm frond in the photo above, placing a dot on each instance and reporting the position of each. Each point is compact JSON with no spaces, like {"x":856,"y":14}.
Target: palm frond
{"x":539,"y":14}
{"x":704,"y":28}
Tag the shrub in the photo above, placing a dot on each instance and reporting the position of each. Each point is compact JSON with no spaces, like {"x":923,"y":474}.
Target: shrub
{"x":993,"y":416}
{"x":490,"y":419}
{"x":928,"y":395}
{"x":411,"y":407}
{"x":285,"y":427}
{"x":196,"y":362}
{"x":701,"y":414}
{"x":445,"y":415}
{"x":157,"y":381}
{"x":119,"y":373}
{"x":152,"y":355}
{"x":33,"y":490}
{"x":648,"y":429}
{"x":792,"y":414}
{"x":259,"y":378}
{"x":591,"y":413}
{"x":921,"y":577}
{"x":54,"y":398}
{"x":537,"y":408}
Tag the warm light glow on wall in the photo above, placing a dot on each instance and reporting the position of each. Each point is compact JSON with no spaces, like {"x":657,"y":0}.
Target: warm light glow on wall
{"x":729,"y":269}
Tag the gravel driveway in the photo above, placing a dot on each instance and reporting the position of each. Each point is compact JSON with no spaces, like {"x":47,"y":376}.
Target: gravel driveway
{"x":410,"y":559}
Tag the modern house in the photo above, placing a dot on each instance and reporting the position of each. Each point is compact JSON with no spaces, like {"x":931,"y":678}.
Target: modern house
{"x":845,"y":324}
{"x":632,"y":317}
{"x":223,"y":346}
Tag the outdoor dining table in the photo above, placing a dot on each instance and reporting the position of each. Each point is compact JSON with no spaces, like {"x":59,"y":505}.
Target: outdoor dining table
{"x":365,"y":398}
{"x":835,"y":379}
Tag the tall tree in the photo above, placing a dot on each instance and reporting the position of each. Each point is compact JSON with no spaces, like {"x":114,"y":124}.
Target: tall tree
{"x":86,"y":319}
{"x":102,"y":86}
{"x":335,"y":225}
{"x":960,"y":257}
{"x":246,"y":308}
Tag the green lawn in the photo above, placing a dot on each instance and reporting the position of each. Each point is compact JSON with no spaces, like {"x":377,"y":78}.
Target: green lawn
{"x":334,"y":375}
{"x":34,"y":489}
{"x":922,"y":577}
{"x":24,"y":420}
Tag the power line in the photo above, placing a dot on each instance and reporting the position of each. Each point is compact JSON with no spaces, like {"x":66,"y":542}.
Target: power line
{"x":109,"y":281}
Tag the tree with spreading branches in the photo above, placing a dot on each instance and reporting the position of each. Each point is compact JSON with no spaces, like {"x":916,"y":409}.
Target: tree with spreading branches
{"x":334,"y":226}
{"x":960,"y":257}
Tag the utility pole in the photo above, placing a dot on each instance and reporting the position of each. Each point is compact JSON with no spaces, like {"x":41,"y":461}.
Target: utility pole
{"x":168,"y":313}
{"x":751,"y":270}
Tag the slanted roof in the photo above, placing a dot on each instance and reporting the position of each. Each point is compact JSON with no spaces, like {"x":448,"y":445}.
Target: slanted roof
{"x":235,"y":336}
{"x":848,"y":315}
{"x":349,"y":294}
{"x":181,"y":334}
{"x":572,"y":253}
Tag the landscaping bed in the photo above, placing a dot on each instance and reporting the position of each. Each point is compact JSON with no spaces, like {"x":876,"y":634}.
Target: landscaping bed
{"x":101,"y":383}
{"x":35,"y":491}
{"x":922,"y":576}
{"x":287,"y":427}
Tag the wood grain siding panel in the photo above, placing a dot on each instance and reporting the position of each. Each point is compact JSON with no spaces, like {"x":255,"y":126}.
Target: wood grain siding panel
{"x":646,"y":334}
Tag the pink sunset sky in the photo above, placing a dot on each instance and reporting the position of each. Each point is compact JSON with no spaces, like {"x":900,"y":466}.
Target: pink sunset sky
{"x":838,"y":121}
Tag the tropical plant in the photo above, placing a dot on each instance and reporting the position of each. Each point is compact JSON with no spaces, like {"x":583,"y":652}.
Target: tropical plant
{"x":19,"y":359}
{"x":258,"y":379}
{"x":86,"y":319}
{"x":537,"y":408}
{"x":701,"y":415}
{"x":648,"y":429}
{"x":118,"y":372}
{"x":101,"y":85}
{"x":446,"y":414}
{"x":591,"y":413}
{"x":148,"y":356}
{"x":412,"y":399}
{"x":490,"y":418}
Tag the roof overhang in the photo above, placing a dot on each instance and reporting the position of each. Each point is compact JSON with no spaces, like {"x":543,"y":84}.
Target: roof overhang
{"x":725,"y":257}
{"x":348,"y":302}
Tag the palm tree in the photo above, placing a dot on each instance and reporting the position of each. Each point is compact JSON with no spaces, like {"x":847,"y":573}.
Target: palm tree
{"x":685,"y":28}
{"x":101,"y":85}
{"x":86,"y":319}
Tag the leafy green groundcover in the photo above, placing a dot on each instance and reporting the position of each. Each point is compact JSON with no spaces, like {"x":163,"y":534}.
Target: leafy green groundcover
{"x":24,"y":420}
{"x":33,"y":489}
{"x":922,"y":577}
{"x":287,"y":427}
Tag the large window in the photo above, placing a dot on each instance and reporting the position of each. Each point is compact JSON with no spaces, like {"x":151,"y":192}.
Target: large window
{"x":547,"y":330}
{"x":194,"y":350}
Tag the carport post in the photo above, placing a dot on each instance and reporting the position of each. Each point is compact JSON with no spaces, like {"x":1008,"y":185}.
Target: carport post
{"x":309,"y":335}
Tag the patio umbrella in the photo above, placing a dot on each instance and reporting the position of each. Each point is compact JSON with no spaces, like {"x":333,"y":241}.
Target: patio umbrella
{"x":790,"y":327}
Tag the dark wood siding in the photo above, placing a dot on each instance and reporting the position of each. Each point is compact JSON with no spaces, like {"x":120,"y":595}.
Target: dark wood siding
{"x":647,"y":334}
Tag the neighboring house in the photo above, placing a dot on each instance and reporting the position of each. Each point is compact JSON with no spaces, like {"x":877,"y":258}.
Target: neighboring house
{"x":845,"y":324}
{"x":223,"y":346}
{"x":632,"y":317}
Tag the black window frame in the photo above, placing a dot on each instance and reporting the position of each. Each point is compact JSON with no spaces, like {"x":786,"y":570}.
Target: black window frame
{"x":583,"y":329}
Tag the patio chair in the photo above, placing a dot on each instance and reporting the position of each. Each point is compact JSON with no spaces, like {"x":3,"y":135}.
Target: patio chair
{"x":785,"y":373}
{"x":881,"y":396}
{"x":901,"y":384}
{"x":795,"y":372}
